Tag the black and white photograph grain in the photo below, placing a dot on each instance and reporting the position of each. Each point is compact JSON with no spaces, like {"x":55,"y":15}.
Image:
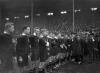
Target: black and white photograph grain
{"x":49,"y":36}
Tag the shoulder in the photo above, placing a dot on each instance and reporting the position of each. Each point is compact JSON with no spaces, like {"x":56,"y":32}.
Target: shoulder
{"x":6,"y":36}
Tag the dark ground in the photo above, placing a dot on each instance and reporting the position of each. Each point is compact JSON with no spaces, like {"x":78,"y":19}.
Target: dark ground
{"x":69,"y":67}
{"x":83,"y":68}
{"x":76,"y":68}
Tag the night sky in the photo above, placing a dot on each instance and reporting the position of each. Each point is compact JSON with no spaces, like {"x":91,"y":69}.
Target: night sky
{"x":46,"y":5}
{"x":21,"y":8}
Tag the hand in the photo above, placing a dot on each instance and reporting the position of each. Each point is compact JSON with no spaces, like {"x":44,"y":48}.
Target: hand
{"x":15,"y":59}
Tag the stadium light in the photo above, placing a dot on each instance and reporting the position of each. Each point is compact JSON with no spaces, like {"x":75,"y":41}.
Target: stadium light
{"x":50,"y":14}
{"x":16,"y":17}
{"x":27,"y":16}
{"x":93,"y":9}
{"x":63,"y":12}
{"x":77,"y":10}
{"x":37,"y":14}
{"x":7,"y":19}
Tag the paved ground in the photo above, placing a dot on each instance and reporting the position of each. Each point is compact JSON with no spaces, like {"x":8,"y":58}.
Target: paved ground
{"x":75,"y":68}
{"x":67,"y":68}
{"x":84,"y":68}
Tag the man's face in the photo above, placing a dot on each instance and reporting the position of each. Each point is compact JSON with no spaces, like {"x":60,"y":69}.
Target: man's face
{"x":72,"y":36}
{"x":37,"y":31}
{"x":11,"y":29}
{"x":27,"y":30}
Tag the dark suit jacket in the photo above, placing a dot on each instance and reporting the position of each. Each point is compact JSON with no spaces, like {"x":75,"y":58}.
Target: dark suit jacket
{"x":6,"y":52}
{"x":23,"y":46}
{"x":34,"y":42}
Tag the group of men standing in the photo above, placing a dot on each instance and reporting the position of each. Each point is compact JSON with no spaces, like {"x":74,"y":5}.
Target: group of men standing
{"x":76,"y":48}
{"x":39,"y":47}
{"x":35,"y":47}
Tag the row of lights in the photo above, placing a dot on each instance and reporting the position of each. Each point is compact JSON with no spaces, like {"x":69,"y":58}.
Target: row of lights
{"x":27,"y":16}
{"x":51,"y":13}
{"x":63,"y":12}
{"x":93,"y":9}
{"x":77,"y":10}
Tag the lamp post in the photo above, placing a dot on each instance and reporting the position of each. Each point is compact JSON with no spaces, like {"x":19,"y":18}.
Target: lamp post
{"x":93,"y":18}
{"x":73,"y":17}
{"x":32,"y":7}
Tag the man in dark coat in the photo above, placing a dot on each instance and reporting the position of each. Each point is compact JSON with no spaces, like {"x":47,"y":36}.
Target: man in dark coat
{"x":68,"y":44}
{"x":7,"y":51}
{"x":53,"y":47}
{"x":23,"y":47}
{"x":99,"y":47}
{"x":34,"y":42}
{"x":92,"y":47}
{"x":77,"y":50}
{"x":43,"y":49}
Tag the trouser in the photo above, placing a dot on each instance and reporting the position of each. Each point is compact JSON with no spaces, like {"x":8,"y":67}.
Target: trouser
{"x":35,"y":55}
{"x":6,"y":63}
{"x":22,"y":60}
{"x":77,"y":58}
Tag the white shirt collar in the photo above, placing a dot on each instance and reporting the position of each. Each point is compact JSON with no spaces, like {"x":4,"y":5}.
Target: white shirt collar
{"x":5,"y":32}
{"x":34,"y":34}
{"x":23,"y":34}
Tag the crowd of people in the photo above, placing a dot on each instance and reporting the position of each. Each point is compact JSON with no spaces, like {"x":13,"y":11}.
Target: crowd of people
{"x":46,"y":49}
